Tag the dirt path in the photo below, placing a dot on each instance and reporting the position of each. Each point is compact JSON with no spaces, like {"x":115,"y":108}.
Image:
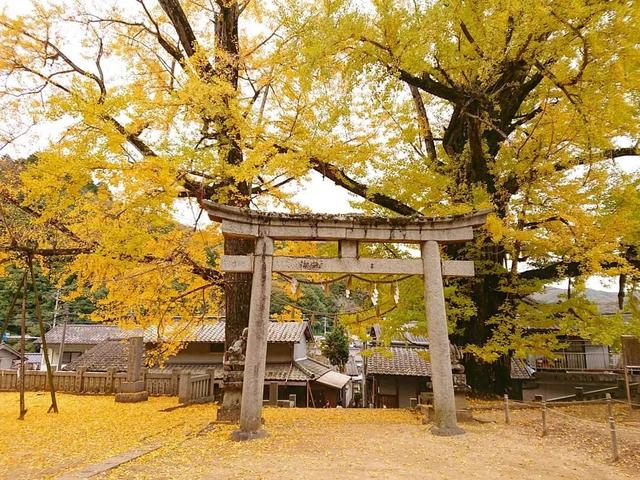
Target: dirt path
{"x":306,"y":444}
{"x":321,"y":444}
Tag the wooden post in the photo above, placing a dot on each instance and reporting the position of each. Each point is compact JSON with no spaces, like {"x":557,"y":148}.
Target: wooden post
{"x":23,"y":321}
{"x":273,"y":394}
{"x":544,"y":418}
{"x":184,"y":390}
{"x":579,"y":393}
{"x":256,"y":354}
{"x":609,"y":406}
{"x":175,"y":377}
{"x":313,"y":401}
{"x":627,"y":385}
{"x":507,"y":413}
{"x":614,"y":440}
{"x":212,"y":383}
{"x":441,"y":377}
{"x":79,"y":379}
{"x":64,"y":335}
{"x":110,"y":382}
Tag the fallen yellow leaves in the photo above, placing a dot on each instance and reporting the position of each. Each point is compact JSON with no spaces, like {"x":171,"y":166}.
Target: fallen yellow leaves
{"x":313,"y":444}
{"x":87,"y":430}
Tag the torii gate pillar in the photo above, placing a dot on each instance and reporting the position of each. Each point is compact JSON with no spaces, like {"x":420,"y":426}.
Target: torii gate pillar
{"x":441,"y":377}
{"x":253,"y":382}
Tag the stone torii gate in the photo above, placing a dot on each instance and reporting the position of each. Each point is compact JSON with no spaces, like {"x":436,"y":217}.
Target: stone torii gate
{"x":348,"y":231}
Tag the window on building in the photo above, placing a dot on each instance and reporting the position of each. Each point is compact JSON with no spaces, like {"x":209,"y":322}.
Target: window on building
{"x":68,"y":357}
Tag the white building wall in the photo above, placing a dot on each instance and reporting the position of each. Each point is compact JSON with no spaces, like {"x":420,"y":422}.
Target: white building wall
{"x":300,"y":350}
{"x":54,"y":353}
{"x":6,"y":359}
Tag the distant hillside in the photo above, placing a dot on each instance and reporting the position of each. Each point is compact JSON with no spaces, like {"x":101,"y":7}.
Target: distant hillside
{"x":607,"y":301}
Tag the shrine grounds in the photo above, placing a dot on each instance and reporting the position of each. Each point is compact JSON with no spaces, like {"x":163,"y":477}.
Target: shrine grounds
{"x":93,"y":433}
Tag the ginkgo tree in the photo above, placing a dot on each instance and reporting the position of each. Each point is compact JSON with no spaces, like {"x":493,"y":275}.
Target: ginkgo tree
{"x":523,"y":107}
{"x":422,"y":107}
{"x":156,"y":106}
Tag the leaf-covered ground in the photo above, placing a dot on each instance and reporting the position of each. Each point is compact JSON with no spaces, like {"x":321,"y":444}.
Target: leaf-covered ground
{"x":88,"y":429}
{"x":308,"y":443}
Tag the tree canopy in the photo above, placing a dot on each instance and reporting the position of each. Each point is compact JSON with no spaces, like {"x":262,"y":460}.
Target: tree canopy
{"x":422,"y":107}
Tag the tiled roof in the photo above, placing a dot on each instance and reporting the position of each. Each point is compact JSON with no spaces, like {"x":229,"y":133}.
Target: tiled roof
{"x":287,"y":371}
{"x":409,"y":338}
{"x":520,"y":370}
{"x":312,"y":368}
{"x":273,"y":371}
{"x":92,"y":334}
{"x":109,"y":353}
{"x":279,"y":332}
{"x":113,"y":353}
{"x":87,"y":334}
{"x":13,"y":351}
{"x":405,"y":336}
{"x":195,"y":368}
{"x":33,"y":358}
{"x":399,"y":361}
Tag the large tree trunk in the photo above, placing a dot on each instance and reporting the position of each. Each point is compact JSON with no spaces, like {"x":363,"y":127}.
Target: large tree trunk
{"x":237,"y":300}
{"x":474,"y":146}
{"x":482,"y":376}
{"x":479,"y":124}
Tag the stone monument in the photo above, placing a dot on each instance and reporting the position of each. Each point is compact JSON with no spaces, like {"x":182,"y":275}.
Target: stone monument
{"x":132,"y":390}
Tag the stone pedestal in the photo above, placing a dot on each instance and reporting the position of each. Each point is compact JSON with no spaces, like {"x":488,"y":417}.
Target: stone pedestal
{"x":229,"y":411}
{"x":460,"y":391}
{"x":132,"y":397}
{"x":232,"y":376}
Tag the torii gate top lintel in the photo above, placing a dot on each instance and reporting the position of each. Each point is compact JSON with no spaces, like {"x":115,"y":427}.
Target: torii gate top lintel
{"x":241,"y":222}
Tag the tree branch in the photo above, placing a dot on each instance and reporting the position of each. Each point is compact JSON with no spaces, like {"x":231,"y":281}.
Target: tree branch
{"x":340,"y":178}
{"x":423,"y":82}
{"x":605,"y":155}
{"x":425,"y":127}
{"x":180,"y":22}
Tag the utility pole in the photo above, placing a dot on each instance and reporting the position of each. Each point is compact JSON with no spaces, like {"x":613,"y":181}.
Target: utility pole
{"x":55,"y":308}
{"x":64,"y":334}
{"x":365,"y":397}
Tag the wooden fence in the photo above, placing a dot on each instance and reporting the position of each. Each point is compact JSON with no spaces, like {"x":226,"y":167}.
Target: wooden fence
{"x":80,"y":381}
{"x":196,"y":388}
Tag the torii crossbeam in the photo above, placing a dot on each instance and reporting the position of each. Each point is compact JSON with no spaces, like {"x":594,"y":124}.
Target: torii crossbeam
{"x":348,"y":231}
